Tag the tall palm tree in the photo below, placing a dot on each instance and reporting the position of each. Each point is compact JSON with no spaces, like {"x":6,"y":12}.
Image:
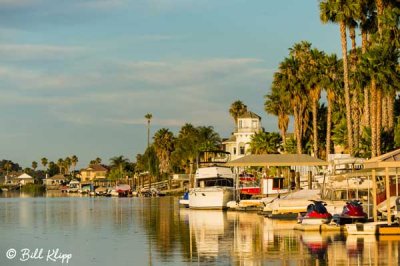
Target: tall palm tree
{"x":164,"y":146}
{"x":44,"y":162}
{"x":339,"y":11}
{"x":67,"y":164}
{"x":60,"y":164}
{"x":332,"y":81}
{"x":315,"y":82}
{"x":278,"y":103}
{"x":34,"y":165}
{"x":74,"y":161}
{"x":236,"y":109}
{"x":148,"y":117}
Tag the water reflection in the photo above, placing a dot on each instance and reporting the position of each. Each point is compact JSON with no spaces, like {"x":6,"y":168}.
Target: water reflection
{"x":154,"y":231}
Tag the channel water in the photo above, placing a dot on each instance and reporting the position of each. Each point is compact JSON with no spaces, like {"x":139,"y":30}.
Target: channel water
{"x":60,"y":229}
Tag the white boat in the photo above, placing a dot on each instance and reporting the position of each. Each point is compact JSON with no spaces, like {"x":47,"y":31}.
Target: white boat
{"x":364,"y":228}
{"x":213,"y":188}
{"x":73,"y":186}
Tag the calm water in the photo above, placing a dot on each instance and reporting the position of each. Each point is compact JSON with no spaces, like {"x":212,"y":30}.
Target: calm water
{"x":143,"y":231}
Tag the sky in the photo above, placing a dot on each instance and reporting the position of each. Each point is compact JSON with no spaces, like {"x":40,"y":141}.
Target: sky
{"x":78,"y":76}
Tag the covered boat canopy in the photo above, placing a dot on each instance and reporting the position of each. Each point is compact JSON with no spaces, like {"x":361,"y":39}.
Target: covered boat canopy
{"x":389,"y":160}
{"x":277,"y":160}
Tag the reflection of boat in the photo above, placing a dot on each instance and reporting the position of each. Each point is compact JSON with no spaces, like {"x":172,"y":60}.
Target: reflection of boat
{"x":316,"y":243}
{"x":213,"y":184}
{"x":207,"y":227}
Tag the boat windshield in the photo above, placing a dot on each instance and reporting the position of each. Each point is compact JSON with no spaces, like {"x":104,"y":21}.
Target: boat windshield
{"x":212,"y":182}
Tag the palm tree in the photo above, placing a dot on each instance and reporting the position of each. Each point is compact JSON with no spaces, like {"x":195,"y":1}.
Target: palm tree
{"x":315,"y":81}
{"x":119,"y":163}
{"x":44,"y":162}
{"x":379,"y":66}
{"x":237,"y":109}
{"x":208,"y":138}
{"x":148,"y":117}
{"x":34,"y":165}
{"x":67,"y":164}
{"x":164,"y":146}
{"x":60,"y":164}
{"x":331,"y":81}
{"x":278,"y":103}
{"x":74,"y":161}
{"x":265,"y":143}
{"x":339,"y":11}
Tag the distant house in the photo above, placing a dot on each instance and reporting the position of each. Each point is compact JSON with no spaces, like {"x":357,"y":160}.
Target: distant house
{"x":25,"y":179}
{"x":55,"y":180}
{"x":238,"y":144}
{"x":95,"y":171}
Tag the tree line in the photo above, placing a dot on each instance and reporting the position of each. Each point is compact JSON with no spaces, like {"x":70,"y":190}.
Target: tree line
{"x":360,"y":87}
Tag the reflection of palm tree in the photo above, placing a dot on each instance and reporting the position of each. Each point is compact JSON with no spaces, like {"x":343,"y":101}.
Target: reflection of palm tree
{"x":148,"y":117}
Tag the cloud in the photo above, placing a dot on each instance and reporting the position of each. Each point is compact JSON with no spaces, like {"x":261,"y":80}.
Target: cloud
{"x":19,"y":52}
{"x":18,"y":3}
{"x":100,"y":4}
{"x":120,"y":93}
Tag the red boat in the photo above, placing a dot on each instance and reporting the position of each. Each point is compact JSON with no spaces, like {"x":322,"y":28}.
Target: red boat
{"x":352,"y":212}
{"x":316,"y":214}
{"x":249,"y":186}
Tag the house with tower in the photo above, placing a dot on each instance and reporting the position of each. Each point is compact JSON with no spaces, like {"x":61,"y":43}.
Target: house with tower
{"x":247,"y":125}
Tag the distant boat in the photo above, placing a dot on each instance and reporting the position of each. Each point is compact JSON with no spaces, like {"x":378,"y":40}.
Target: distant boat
{"x":73,"y":186}
{"x":123,"y":190}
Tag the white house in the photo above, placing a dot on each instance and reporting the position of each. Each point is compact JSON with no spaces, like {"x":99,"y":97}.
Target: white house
{"x":25,"y":179}
{"x":248,"y":124}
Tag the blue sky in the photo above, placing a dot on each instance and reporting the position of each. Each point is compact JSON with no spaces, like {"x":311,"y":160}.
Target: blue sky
{"x":78,"y":76}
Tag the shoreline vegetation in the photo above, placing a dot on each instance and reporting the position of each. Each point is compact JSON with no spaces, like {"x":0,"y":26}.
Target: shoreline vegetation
{"x":360,"y":115}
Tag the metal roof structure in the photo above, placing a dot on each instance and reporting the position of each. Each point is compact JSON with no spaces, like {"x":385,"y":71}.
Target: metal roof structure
{"x":277,"y":160}
{"x":390,"y":160}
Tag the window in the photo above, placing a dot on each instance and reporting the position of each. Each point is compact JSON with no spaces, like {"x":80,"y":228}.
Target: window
{"x":254,"y":124}
{"x":241,"y":149}
{"x":234,"y":150}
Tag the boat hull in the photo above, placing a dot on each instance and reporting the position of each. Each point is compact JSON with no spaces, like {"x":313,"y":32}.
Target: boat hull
{"x":210,"y":197}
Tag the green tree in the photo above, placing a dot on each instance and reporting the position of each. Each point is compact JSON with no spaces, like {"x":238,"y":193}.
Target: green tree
{"x":118,"y":164}
{"x":148,"y":117}
{"x":164,"y":146}
{"x":265,"y":143}
{"x":340,"y":11}
{"x":34,"y":165}
{"x":237,"y":109}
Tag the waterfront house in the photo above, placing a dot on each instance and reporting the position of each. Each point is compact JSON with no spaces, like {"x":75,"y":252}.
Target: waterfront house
{"x":94,"y":171}
{"x":55,"y":181}
{"x":25,"y":179}
{"x":248,"y":124}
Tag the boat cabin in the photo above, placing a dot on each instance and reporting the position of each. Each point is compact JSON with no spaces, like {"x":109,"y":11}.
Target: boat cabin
{"x":214,"y":176}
